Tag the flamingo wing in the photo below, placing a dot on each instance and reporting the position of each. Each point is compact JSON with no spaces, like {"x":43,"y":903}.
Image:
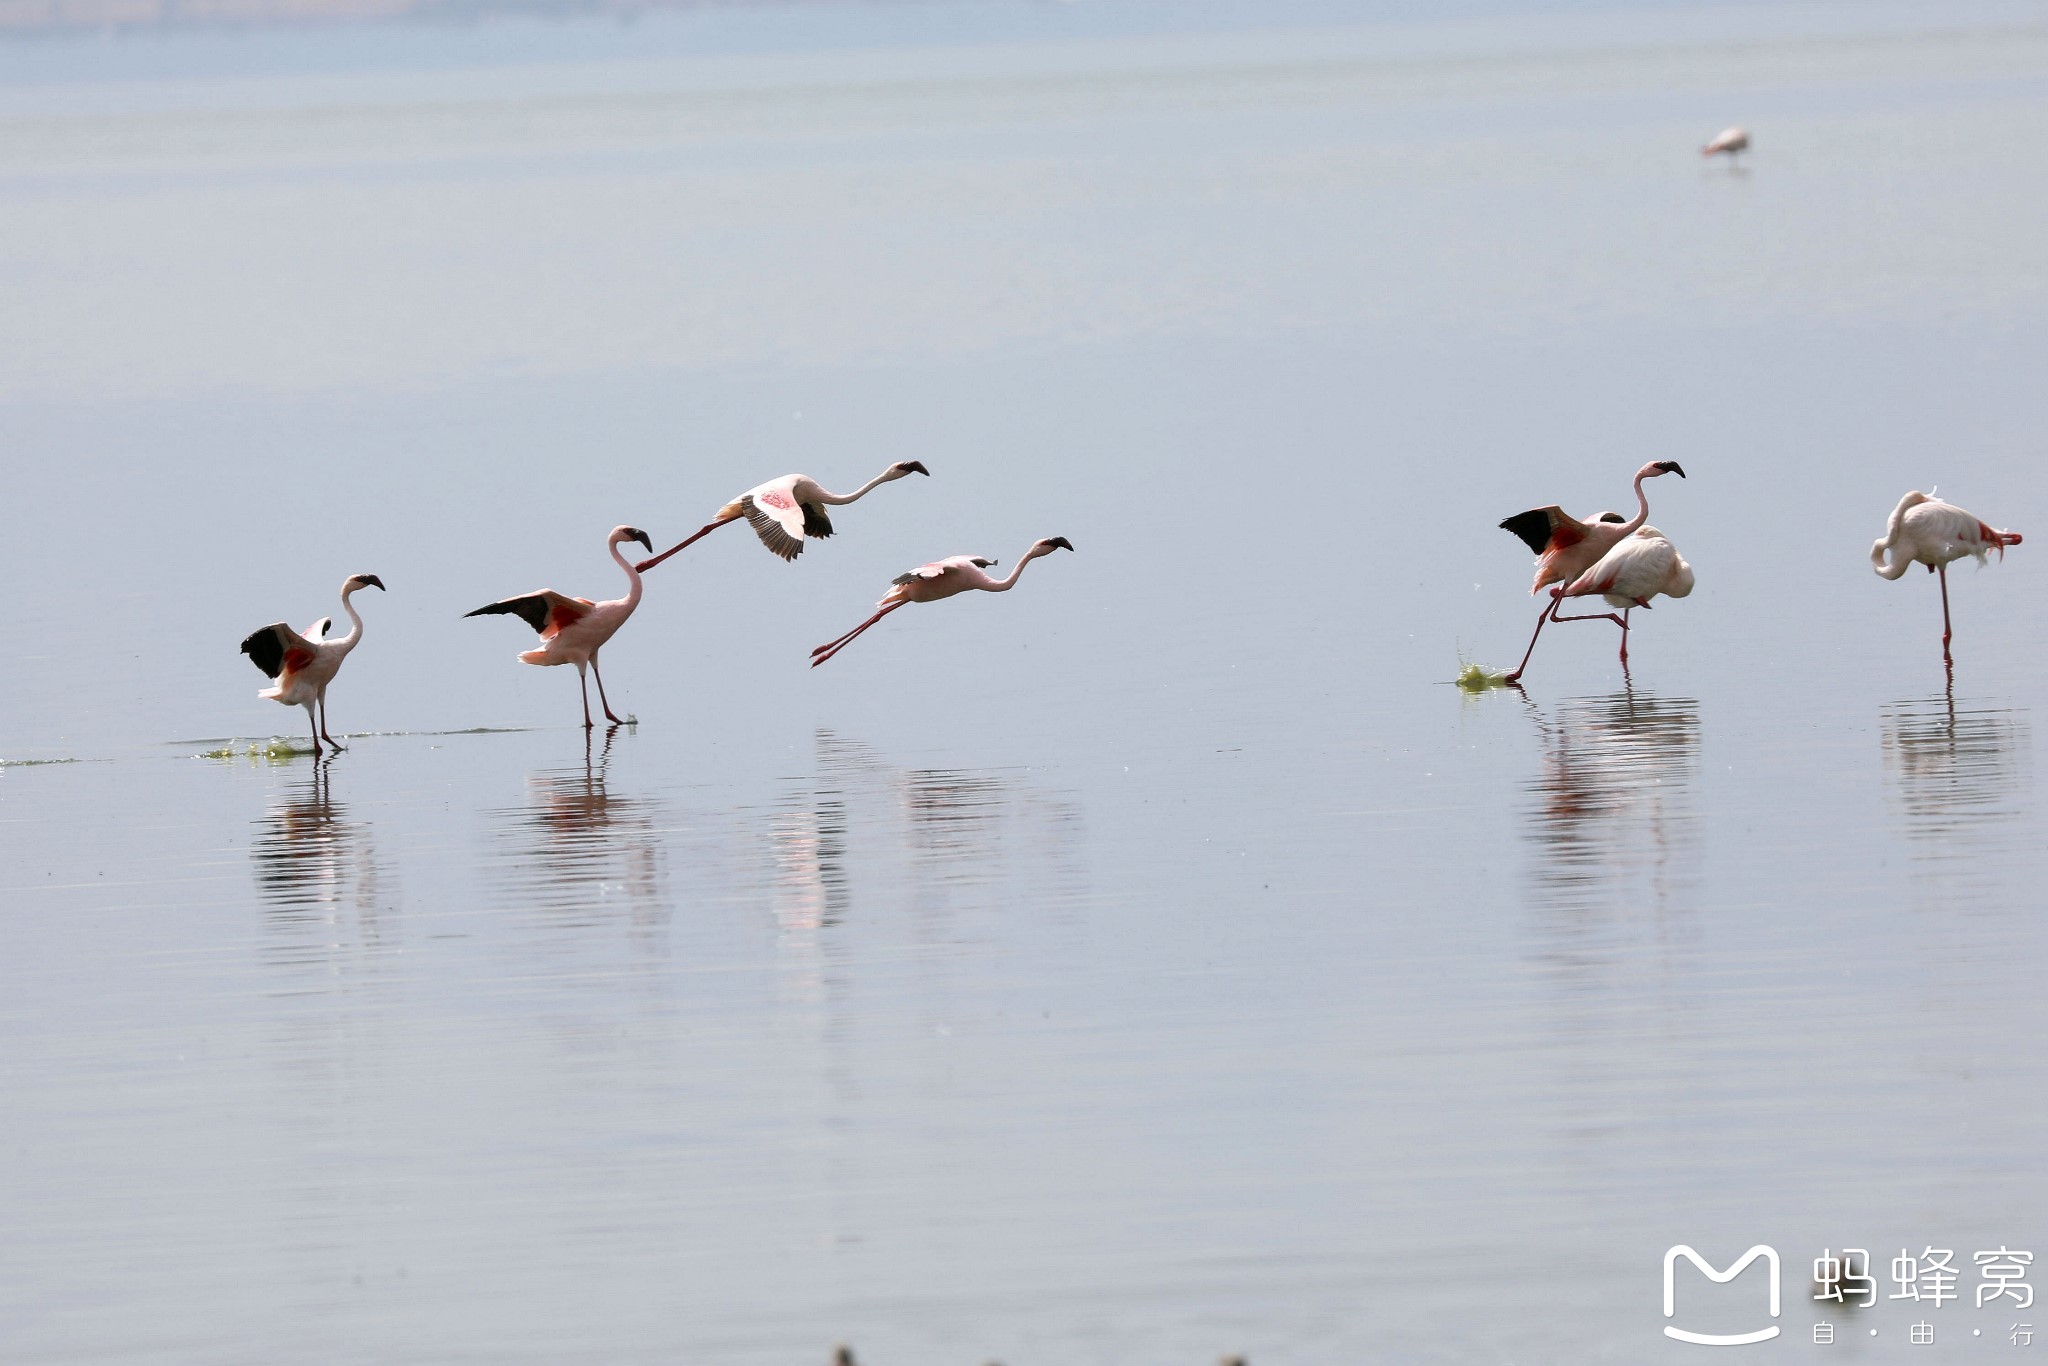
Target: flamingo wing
{"x":546,"y":611}
{"x":277,"y":649}
{"x":937,"y":569}
{"x":777,"y":518}
{"x":1545,"y":529}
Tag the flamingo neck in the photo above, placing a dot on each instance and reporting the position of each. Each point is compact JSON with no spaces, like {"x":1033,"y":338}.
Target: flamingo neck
{"x":841,"y":499}
{"x":1016,"y":572}
{"x":1630,"y":528}
{"x":355,"y":629}
{"x":632,"y":598}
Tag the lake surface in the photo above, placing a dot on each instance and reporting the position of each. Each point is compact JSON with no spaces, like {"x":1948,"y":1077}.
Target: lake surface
{"x":1161,"y":960}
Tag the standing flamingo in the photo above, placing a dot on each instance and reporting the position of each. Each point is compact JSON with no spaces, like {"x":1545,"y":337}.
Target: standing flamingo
{"x":1567,"y":547}
{"x":1628,"y":576}
{"x":1731,"y":142}
{"x":1925,"y":530}
{"x":304,"y":665}
{"x":784,"y":511}
{"x":572,"y":630}
{"x":941,"y":579}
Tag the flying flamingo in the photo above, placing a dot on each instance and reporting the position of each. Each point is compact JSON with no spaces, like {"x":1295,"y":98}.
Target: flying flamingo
{"x":784,"y":511}
{"x":572,"y":630}
{"x":1729,"y":141}
{"x":1567,"y":547}
{"x":1925,"y":530}
{"x":304,"y":665}
{"x":941,"y":579}
{"x":1628,"y":576}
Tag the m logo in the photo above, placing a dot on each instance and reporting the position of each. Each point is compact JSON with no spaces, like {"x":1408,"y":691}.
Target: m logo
{"x":1671,"y":1257}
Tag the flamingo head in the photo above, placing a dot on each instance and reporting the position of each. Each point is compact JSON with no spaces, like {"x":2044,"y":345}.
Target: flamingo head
{"x":1657,"y":467}
{"x":1050,"y":544}
{"x":363,"y":581}
{"x":622,"y":534}
{"x":903,"y":467}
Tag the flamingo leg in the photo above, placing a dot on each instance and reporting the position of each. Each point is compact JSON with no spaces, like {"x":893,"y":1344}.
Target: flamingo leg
{"x":603,"y":701}
{"x":1947,"y":633}
{"x":1624,"y":636}
{"x":647,"y":564}
{"x":323,"y":723}
{"x":1541,"y":617}
{"x":313,"y":720}
{"x":584,"y":679}
{"x":826,"y":651}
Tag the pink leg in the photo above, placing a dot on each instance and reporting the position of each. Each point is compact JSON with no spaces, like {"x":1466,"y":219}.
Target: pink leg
{"x":826,"y":651}
{"x":645,"y":565}
{"x":1541,"y":617}
{"x":313,"y":720}
{"x":1624,"y":637}
{"x":1947,"y":633}
{"x":323,"y":724}
{"x":603,"y":701}
{"x":584,"y":679}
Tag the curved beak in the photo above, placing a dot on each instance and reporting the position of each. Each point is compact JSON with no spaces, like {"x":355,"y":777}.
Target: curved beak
{"x":1671,"y":467}
{"x":374,"y":582}
{"x":917,"y":465}
{"x":1062,"y":542}
{"x":641,"y":537}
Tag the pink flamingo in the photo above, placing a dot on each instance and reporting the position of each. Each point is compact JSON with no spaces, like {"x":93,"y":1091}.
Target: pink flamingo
{"x":941,"y":579}
{"x":1567,"y":547}
{"x":304,"y":665}
{"x":1925,"y":530}
{"x":1729,"y":142}
{"x":572,"y":630}
{"x":784,"y":511}
{"x":1628,"y":576}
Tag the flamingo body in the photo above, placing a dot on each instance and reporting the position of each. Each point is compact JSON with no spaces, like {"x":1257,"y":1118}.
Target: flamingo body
{"x":1924,"y":530}
{"x":573,"y":630}
{"x":1728,"y":142}
{"x":304,"y":664}
{"x":786,"y":512}
{"x":942,"y":579}
{"x":1642,"y":567}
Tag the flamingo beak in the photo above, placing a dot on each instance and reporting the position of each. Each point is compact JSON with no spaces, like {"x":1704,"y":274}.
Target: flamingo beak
{"x":641,"y":537}
{"x":1062,"y":542}
{"x":374,"y":582}
{"x":1671,"y":467}
{"x":917,"y":465}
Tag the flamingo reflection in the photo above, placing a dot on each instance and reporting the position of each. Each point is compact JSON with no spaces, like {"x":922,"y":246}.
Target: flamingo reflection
{"x":1957,"y":775}
{"x":313,"y":865}
{"x":578,"y":847}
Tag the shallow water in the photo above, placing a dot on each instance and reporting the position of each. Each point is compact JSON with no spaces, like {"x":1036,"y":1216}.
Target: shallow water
{"x":1158,"y":960}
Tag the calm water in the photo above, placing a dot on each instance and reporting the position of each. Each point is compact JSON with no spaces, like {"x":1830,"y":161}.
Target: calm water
{"x":1159,"y":960}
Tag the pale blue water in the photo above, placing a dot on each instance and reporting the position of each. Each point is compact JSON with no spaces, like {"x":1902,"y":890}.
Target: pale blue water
{"x":1159,"y":960}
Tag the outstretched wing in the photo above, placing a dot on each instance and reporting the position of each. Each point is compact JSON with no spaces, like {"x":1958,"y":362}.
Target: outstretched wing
{"x":816,"y":524}
{"x":277,"y":649}
{"x":777,"y":519}
{"x":1543,"y":529}
{"x":546,"y":611}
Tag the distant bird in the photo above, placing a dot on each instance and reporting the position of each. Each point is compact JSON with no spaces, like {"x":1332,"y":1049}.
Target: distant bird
{"x":1730,"y":141}
{"x":304,"y":665}
{"x":1925,"y":530}
{"x":1567,"y":547}
{"x":784,"y":511}
{"x":1628,"y":576}
{"x":941,"y":579}
{"x":573,"y":630}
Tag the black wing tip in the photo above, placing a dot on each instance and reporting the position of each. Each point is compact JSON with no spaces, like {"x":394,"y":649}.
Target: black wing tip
{"x":265,"y":649}
{"x":1533,"y":529}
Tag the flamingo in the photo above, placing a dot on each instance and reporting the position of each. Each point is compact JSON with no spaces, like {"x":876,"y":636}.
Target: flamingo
{"x":1641,"y":567}
{"x":1925,"y":530}
{"x":1567,"y":547}
{"x":304,"y":665}
{"x":784,"y":511}
{"x":942,"y":579}
{"x":1729,"y":141}
{"x":573,"y":630}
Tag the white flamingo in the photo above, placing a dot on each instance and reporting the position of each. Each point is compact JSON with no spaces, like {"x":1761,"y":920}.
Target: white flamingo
{"x":304,"y":665}
{"x":572,"y":630}
{"x":941,"y":579}
{"x":1924,"y":530}
{"x":1628,"y":576}
{"x":784,"y":511}
{"x":1729,"y":142}
{"x":1567,"y":547}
